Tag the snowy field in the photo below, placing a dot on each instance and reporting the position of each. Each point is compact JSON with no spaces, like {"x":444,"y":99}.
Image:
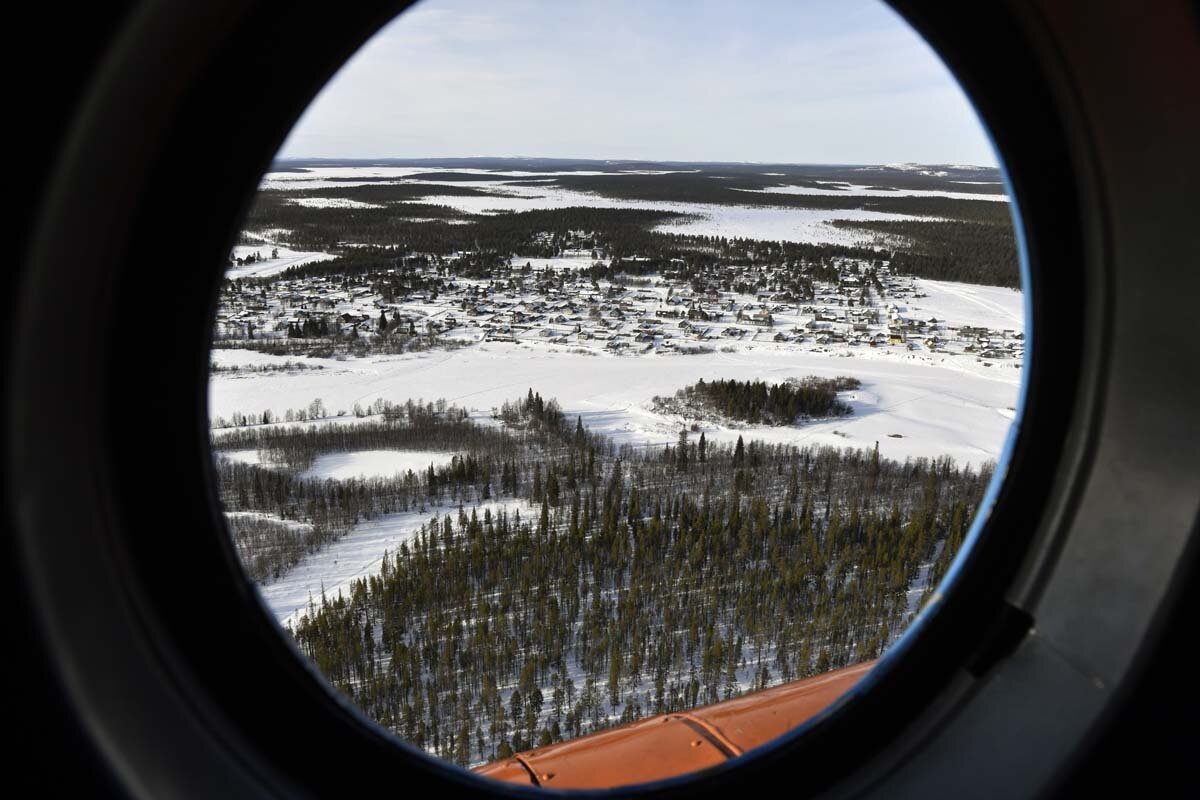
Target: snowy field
{"x":913,"y":404}
{"x":967,"y":304}
{"x":705,"y":219}
{"x":760,"y":222}
{"x":836,"y":189}
{"x":326,"y":177}
{"x":242,"y":456}
{"x":356,"y":464}
{"x":570,"y":261}
{"x":354,"y":556}
{"x":374,"y":463}
{"x":333,"y":202}
{"x":781,"y":224}
{"x":270,"y":266}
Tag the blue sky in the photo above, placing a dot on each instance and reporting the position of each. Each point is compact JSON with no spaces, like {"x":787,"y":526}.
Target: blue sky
{"x":807,"y":81}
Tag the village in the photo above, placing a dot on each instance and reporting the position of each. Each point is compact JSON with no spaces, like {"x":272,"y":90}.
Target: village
{"x":556,"y":303}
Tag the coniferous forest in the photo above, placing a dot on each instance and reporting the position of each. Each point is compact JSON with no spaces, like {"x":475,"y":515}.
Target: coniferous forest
{"x":611,"y":583}
{"x":948,"y":238}
{"x":759,"y":402}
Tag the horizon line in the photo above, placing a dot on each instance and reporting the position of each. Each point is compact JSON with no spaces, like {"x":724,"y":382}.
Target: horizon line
{"x":598,"y":159}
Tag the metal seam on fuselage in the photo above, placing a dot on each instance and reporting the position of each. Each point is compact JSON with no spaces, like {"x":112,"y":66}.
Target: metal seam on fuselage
{"x":532,"y":774}
{"x":712,"y":733}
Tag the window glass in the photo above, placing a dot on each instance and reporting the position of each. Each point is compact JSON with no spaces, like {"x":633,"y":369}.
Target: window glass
{"x":583,"y":364}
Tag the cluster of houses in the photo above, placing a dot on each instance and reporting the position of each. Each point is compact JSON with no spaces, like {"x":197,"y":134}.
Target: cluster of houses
{"x":564,"y":306}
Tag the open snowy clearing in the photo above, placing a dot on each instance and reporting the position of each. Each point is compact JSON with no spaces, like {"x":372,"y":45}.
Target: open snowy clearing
{"x":239,"y":357}
{"x":705,"y":219}
{"x":967,"y":304}
{"x":570,"y":261}
{"x":862,"y":190}
{"x":333,"y":202}
{"x":374,"y":463}
{"x":781,"y":224}
{"x":326,"y":177}
{"x":911,"y":404}
{"x":760,"y":222}
{"x":270,"y":266}
{"x":290,"y":523}
{"x":354,"y":556}
{"x":242,"y":456}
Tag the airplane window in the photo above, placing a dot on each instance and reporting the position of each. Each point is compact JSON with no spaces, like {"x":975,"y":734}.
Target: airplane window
{"x":608,"y":384}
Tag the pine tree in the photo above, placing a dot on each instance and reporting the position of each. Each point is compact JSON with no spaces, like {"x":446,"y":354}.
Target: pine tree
{"x":516,"y":707}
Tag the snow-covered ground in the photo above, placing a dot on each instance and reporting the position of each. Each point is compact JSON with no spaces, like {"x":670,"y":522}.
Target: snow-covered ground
{"x":242,"y":456}
{"x":967,"y":304}
{"x":355,"y":555}
{"x":861,"y":190}
{"x":355,"y":464}
{"x":270,"y":266}
{"x":570,"y":261}
{"x":374,"y":463}
{"x":781,"y":224}
{"x":290,"y":523}
{"x":327,"y":177}
{"x":913,"y":404}
{"x":705,"y":219}
{"x":761,"y":222}
{"x":333,"y":202}
{"x":252,"y":358}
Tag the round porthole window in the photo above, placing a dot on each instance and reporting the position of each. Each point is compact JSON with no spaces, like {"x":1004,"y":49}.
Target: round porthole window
{"x":605,"y":399}
{"x":654,"y":440}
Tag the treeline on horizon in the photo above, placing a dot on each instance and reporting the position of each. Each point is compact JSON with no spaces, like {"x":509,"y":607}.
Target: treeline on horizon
{"x":746,"y":190}
{"x":976,"y":244}
{"x":978,"y":179}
